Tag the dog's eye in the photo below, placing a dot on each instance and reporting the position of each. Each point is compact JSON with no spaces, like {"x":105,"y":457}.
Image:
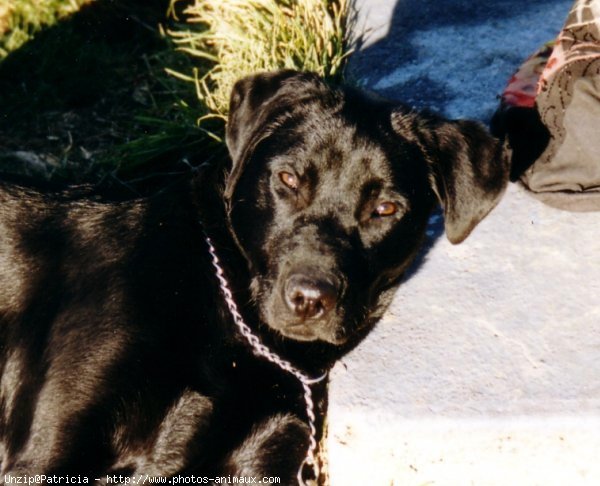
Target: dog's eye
{"x":289,"y":179}
{"x":385,"y":209}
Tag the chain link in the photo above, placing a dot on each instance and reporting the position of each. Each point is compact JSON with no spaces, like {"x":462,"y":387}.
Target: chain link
{"x":263,"y":351}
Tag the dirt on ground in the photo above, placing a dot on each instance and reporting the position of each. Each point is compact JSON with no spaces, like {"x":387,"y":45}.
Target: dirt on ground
{"x":88,"y":99}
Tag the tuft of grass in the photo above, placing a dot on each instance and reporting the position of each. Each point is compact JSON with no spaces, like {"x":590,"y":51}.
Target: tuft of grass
{"x":20,"y":20}
{"x":240,"y":37}
{"x":228,"y":39}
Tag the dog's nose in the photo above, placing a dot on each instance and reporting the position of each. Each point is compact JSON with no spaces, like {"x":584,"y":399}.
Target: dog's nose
{"x":310,"y":296}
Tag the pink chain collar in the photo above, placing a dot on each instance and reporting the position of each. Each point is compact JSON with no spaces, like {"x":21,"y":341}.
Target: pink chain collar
{"x":263,"y":351}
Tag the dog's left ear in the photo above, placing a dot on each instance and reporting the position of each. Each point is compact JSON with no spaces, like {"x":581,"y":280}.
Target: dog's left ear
{"x":469,"y":169}
{"x":258,"y":103}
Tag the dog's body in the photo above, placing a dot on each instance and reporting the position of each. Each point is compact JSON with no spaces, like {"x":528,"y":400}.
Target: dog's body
{"x":113,"y":368}
{"x":118,"y":354}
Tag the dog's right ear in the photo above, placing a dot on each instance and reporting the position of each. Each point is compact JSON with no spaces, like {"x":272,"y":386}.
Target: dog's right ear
{"x":258,"y":104}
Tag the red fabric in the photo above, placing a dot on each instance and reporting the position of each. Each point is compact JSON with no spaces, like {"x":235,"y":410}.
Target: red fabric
{"x":522,"y":87}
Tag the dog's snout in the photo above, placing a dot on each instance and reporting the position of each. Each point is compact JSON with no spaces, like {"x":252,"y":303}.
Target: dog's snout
{"x":310,"y":296}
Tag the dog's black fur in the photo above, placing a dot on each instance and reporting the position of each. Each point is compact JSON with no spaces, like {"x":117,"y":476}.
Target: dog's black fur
{"x":118,"y":355}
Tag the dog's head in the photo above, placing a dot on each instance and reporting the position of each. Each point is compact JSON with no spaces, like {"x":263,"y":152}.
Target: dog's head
{"x":330,"y":192}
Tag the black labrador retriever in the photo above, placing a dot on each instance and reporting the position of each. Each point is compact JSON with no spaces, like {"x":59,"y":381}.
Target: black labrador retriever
{"x":119,"y":356}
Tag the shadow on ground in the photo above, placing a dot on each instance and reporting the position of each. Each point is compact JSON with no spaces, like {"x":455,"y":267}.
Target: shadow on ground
{"x":74,"y":98}
{"x":449,"y":56}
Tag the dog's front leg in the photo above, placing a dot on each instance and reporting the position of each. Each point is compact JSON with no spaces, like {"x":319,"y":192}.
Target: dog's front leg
{"x":276,"y":447}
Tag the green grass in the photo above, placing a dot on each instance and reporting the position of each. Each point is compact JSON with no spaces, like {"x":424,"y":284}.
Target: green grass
{"x":20,"y":20}
{"x":240,"y":37}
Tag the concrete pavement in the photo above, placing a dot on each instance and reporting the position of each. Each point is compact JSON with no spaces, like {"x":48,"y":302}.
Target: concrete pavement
{"x":486,"y":370}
